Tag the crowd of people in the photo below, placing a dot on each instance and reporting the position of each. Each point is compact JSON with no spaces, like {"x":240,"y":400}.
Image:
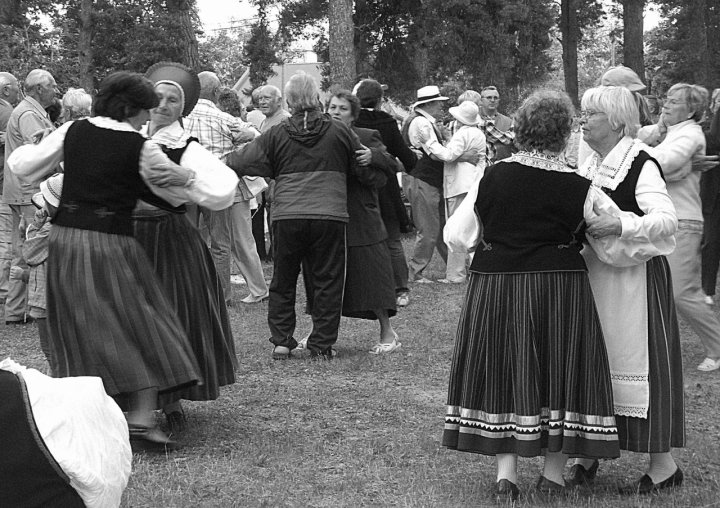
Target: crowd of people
{"x":123,"y":215}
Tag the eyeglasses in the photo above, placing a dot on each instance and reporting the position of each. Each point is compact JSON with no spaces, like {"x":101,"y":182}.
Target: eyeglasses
{"x":588,"y":113}
{"x":492,"y":97}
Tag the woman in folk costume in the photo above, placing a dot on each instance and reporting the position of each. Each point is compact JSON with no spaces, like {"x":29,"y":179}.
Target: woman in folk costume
{"x":530,"y":374}
{"x":180,"y":257}
{"x":633,"y":289}
{"x":108,"y":315}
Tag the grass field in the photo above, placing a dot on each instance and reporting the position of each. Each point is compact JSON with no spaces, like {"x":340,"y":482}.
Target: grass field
{"x":364,"y":431}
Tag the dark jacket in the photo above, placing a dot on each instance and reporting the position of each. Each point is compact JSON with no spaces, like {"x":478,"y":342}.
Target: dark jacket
{"x":710,"y":180}
{"x":392,"y":207}
{"x":309,"y":156}
{"x":366,"y":225}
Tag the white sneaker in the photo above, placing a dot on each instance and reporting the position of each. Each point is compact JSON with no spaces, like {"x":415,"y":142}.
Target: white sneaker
{"x":302,"y":344}
{"x":237,"y":279}
{"x":709,"y":300}
{"x":254,"y":299}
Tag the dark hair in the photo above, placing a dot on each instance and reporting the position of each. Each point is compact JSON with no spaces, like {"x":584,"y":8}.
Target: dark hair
{"x":352,"y":99}
{"x":54,"y":110}
{"x":369,"y":92}
{"x":229,"y":101}
{"x":123,"y":95}
{"x":544,"y":121}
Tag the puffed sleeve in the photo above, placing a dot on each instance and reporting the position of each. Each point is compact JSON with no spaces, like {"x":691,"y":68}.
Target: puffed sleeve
{"x":660,"y":219}
{"x":32,"y":163}
{"x":214,"y":183}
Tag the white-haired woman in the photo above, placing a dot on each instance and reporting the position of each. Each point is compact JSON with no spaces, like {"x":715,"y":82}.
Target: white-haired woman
{"x":633,"y":293}
{"x":676,"y":139}
{"x":77,"y":104}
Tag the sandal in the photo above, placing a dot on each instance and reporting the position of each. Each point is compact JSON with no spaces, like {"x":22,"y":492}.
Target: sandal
{"x":381,"y":349}
{"x":281,"y":353}
{"x":147,"y":438}
{"x":302,"y":344}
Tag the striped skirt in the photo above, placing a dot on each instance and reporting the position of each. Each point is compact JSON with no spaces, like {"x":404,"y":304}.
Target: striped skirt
{"x":530,"y":369}
{"x":185,"y":267}
{"x":664,"y":428}
{"x":108,"y":316}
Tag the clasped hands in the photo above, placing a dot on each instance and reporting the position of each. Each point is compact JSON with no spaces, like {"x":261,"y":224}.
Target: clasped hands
{"x":603,"y":225}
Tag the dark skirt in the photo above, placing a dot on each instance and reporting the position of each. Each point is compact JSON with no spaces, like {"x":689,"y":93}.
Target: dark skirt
{"x":664,"y":428}
{"x":108,"y":316}
{"x":185,"y":267}
{"x":530,"y":369}
{"x":369,"y":282}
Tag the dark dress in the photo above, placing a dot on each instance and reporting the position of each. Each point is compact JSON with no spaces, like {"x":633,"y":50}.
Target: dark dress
{"x":530,"y":369}
{"x":184,"y":265}
{"x":108,"y":315}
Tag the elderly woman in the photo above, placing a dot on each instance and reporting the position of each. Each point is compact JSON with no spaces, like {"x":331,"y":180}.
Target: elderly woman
{"x":369,"y":282}
{"x":76,"y":104}
{"x":633,"y":290}
{"x":180,"y":257}
{"x":530,"y":374}
{"x":676,"y":139}
{"x":108,"y":315}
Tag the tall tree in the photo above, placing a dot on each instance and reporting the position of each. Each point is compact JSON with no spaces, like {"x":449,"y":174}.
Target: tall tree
{"x":570,"y":31}
{"x":341,"y":43}
{"x":260,"y":52}
{"x":183,"y":11}
{"x":85,"y":51}
{"x":633,"y":53}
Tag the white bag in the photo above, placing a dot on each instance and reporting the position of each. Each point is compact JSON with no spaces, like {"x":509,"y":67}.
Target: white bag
{"x":462,"y":229}
{"x":620,"y":253}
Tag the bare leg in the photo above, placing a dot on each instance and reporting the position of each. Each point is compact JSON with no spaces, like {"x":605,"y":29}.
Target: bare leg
{"x":554,"y":466}
{"x":387,"y":334}
{"x":142,"y":405}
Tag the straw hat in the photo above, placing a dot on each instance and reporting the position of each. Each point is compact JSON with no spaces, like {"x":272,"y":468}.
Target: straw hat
{"x":181,"y":76}
{"x":428,"y":94}
{"x":50,"y":191}
{"x":466,"y":113}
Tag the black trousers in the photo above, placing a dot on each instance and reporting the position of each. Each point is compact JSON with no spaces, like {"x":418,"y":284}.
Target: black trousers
{"x":258,"y":228}
{"x":320,"y":246}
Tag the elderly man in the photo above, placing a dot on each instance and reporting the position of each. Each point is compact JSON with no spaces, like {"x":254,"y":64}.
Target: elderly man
{"x":309,"y":156}
{"x":9,"y":92}
{"x":496,"y":126}
{"x":27,"y":121}
{"x":424,"y":187}
{"x":220,"y":133}
{"x":270,"y":101}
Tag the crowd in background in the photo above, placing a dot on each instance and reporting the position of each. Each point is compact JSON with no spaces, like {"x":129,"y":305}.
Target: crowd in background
{"x":124,"y":216}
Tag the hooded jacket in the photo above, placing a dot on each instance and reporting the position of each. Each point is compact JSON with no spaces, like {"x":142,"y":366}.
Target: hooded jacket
{"x":309,"y":156}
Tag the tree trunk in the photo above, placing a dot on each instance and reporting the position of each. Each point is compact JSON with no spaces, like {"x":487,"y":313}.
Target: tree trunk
{"x":633,"y":36}
{"x":342,"y":48}
{"x":182,"y":10}
{"x":85,"y":51}
{"x":699,"y":10}
{"x":569,"y":33}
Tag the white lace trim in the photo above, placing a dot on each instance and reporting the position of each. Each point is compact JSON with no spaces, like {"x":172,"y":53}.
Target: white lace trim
{"x":631,"y":411}
{"x":172,"y":136}
{"x":612,"y":171}
{"x":541,"y":161}
{"x":105,"y":122}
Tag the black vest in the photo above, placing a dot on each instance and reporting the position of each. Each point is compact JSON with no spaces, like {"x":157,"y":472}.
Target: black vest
{"x":428,"y":170}
{"x":624,"y":194}
{"x":531,"y":218}
{"x":102,"y":179}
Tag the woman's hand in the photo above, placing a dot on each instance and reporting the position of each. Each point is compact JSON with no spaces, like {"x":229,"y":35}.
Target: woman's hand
{"x":604,"y":225}
{"x":363,"y":156}
{"x":169,"y":175}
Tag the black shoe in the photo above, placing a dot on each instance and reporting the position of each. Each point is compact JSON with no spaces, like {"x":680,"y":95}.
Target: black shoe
{"x":504,"y":490}
{"x":26,"y":321}
{"x":645,"y":484}
{"x":578,"y":475}
{"x":328,"y":354}
{"x":549,"y":487}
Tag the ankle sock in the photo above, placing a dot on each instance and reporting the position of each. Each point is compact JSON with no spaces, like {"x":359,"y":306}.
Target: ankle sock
{"x":506,"y":467}
{"x":662,"y":467}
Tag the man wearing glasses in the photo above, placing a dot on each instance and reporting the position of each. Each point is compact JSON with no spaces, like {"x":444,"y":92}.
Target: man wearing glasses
{"x":496,"y":126}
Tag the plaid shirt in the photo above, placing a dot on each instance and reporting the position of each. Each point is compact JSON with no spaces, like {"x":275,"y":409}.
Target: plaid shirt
{"x":212,"y":127}
{"x":493,"y":135}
